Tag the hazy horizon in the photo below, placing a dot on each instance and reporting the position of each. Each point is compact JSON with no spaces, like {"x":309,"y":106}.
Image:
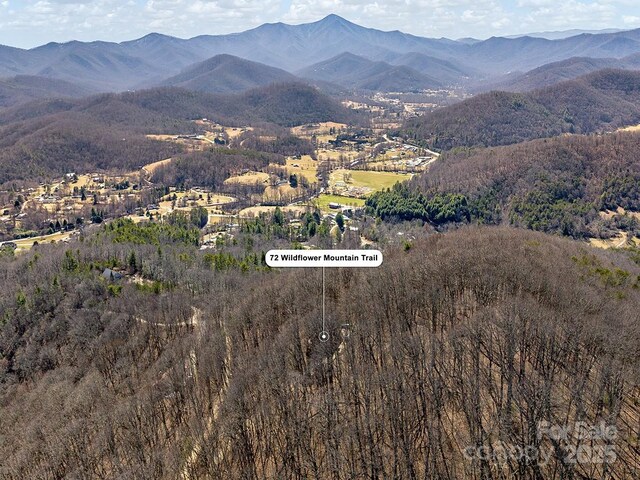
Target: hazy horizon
{"x":28,"y":24}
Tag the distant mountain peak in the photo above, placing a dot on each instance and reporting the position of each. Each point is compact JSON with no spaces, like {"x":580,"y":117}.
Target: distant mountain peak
{"x":332,"y":17}
{"x":336,"y":20}
{"x":347,"y":56}
{"x":152,"y":38}
{"x":154,"y":35}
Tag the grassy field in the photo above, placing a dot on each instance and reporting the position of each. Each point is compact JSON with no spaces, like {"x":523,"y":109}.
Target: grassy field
{"x":324,"y":200}
{"x":276,"y":193}
{"x":255,"y":211}
{"x":162,"y":138}
{"x":249,"y":178}
{"x":26,"y":243}
{"x":633,"y":128}
{"x":307,"y":167}
{"x":320,"y":129}
{"x":234,"y":132}
{"x":619,"y":241}
{"x":374,"y":180}
{"x":324,"y":154}
{"x":152,"y":167}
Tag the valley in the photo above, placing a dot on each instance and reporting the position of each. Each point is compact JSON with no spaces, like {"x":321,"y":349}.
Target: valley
{"x":146,"y":185}
{"x":341,"y":172}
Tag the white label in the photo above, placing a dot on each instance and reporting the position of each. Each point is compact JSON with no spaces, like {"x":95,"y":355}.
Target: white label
{"x":324,"y":258}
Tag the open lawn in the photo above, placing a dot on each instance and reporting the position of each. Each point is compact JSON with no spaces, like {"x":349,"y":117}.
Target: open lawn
{"x":25,"y":244}
{"x":324,"y":154}
{"x":152,"y":167}
{"x":233,"y":132}
{"x":306,"y":166}
{"x":249,"y":178}
{"x":373,"y":180}
{"x":83,"y":181}
{"x":317,"y":129}
{"x":255,"y":211}
{"x":324,"y":200}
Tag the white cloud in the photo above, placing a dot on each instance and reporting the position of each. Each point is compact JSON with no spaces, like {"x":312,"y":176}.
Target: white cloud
{"x":32,"y":22}
{"x":570,"y":14}
{"x":631,"y":20}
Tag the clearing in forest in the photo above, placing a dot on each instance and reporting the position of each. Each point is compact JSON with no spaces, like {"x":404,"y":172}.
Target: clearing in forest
{"x":369,"y":179}
{"x":323,"y":201}
{"x":249,"y":178}
{"x":304,"y":166}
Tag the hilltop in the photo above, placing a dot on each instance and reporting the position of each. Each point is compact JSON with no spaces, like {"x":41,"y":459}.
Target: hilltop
{"x":601,"y":101}
{"x":227,"y":74}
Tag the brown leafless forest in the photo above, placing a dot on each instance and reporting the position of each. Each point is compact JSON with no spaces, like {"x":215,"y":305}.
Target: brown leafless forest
{"x":464,"y":340}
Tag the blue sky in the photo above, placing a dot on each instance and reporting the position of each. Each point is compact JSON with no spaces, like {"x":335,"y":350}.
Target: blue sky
{"x":28,"y":23}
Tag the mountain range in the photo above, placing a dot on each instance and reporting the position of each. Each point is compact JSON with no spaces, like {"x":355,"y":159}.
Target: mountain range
{"x":560,"y":34}
{"x":163,"y":60}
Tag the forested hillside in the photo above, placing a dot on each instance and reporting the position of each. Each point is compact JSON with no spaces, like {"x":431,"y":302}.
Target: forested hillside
{"x":23,"y":89}
{"x":601,"y":101}
{"x":108,"y":131}
{"x":227,"y":74}
{"x":147,"y":186}
{"x":51,"y":146}
{"x":211,"y":168}
{"x":460,"y":341}
{"x":160,"y":109}
{"x":555,"y":185}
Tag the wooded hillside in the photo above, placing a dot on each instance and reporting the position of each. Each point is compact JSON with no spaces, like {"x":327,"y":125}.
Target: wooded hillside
{"x":463,"y":340}
{"x":48,"y":138}
{"x":557,"y":185}
{"x":602,"y":101}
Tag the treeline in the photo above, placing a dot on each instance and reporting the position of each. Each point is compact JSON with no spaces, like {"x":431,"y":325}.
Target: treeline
{"x":119,"y":111}
{"x":176,"y":227}
{"x":188,"y":367}
{"x":400,"y":203}
{"x":311,"y":227}
{"x":601,"y":101}
{"x":559,"y":185}
{"x":212,"y":167}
